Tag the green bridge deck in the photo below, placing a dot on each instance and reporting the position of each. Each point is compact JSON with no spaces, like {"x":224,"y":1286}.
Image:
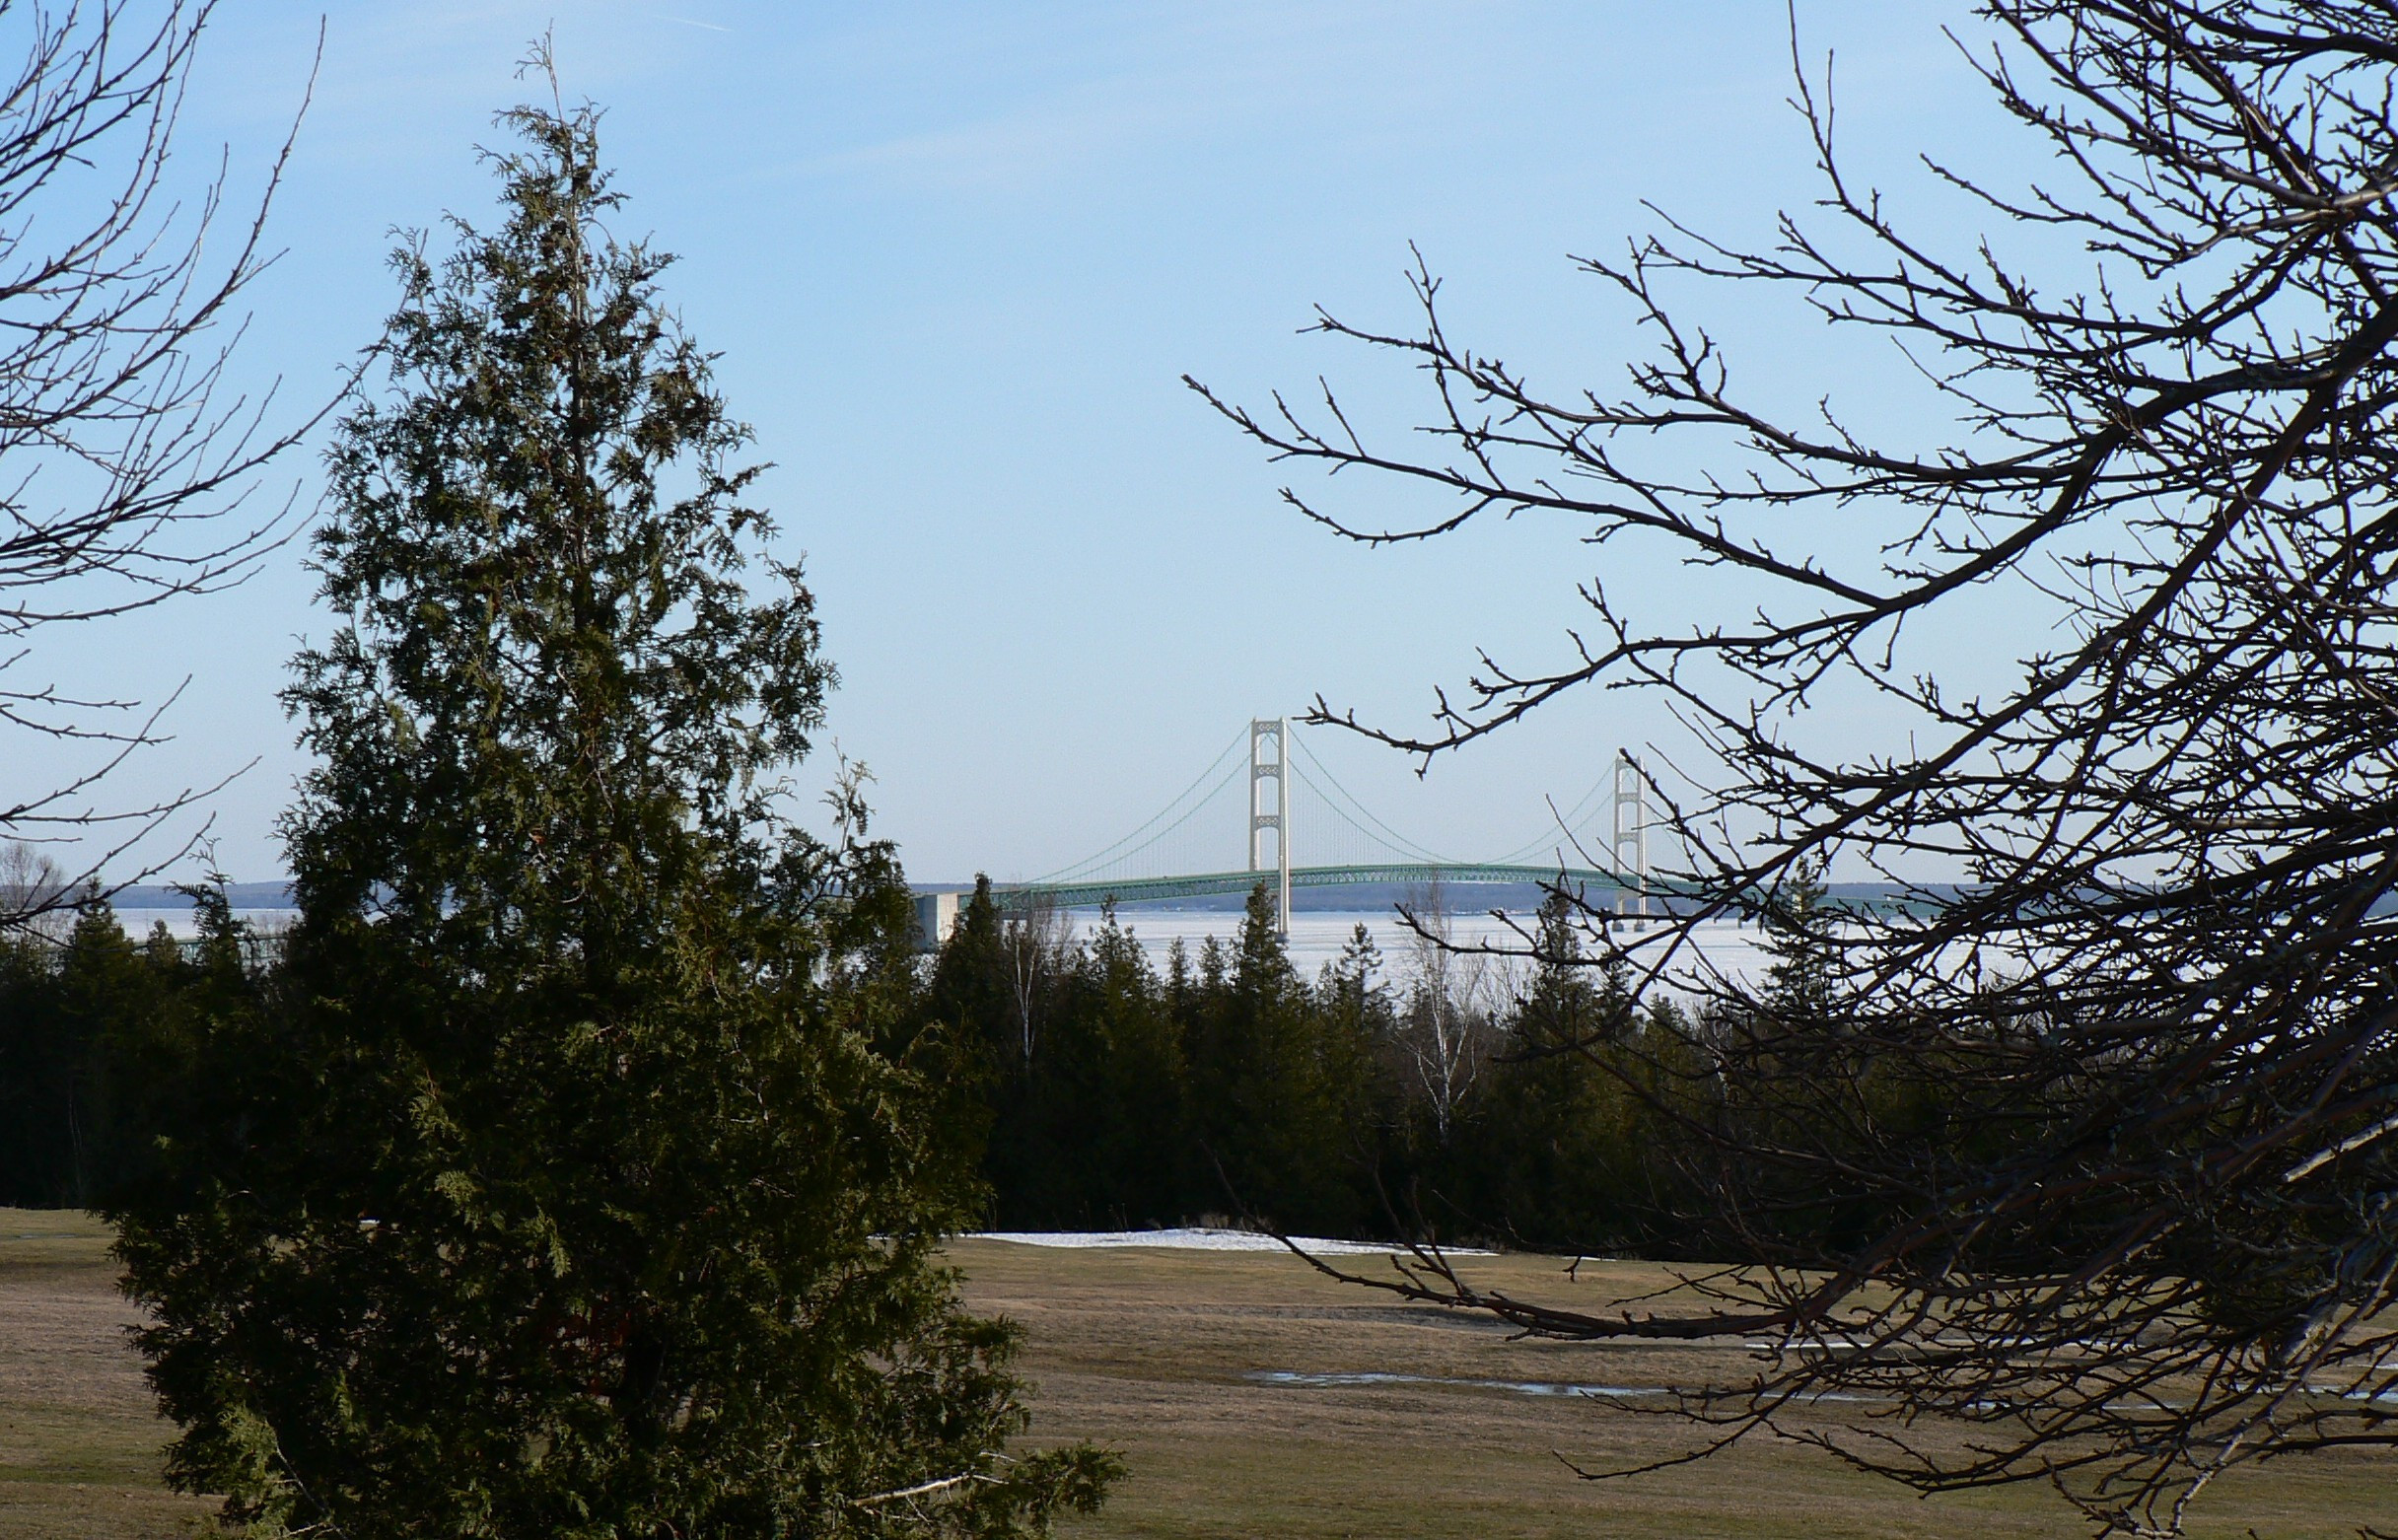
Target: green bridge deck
{"x":1133,"y":890}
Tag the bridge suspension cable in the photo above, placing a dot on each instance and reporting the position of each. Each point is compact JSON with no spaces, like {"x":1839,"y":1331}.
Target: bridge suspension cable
{"x":1331,"y":795}
{"x":1569,"y":837}
{"x":1116,"y":859}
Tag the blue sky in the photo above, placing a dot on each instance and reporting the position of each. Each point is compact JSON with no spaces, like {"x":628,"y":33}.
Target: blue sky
{"x":956,"y":257}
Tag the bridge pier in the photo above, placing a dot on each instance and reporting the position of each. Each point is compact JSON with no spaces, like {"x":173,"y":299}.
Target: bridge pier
{"x":937,"y":915}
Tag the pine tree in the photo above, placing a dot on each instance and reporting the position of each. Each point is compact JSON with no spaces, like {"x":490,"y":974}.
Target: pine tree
{"x":1552,"y":1153}
{"x":1134,"y":1083}
{"x":1566,"y":1009}
{"x":58,"y":996}
{"x":1280,"y":1100}
{"x":1348,"y":989}
{"x":584,"y":1184}
{"x":1801,"y":986}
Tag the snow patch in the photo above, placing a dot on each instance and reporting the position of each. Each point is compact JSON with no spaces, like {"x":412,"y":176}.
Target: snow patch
{"x":1375,"y":1377}
{"x":1197,"y":1239}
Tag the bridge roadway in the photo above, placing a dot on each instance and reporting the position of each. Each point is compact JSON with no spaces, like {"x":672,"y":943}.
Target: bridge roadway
{"x":1133,"y":890}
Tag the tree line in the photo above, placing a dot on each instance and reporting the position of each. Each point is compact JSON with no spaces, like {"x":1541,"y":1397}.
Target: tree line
{"x":1423,"y":1094}
{"x":1446,"y":1094}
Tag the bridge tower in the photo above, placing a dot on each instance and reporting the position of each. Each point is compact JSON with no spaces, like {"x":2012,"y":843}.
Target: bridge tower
{"x":1278,"y":770}
{"x":1631,"y":852}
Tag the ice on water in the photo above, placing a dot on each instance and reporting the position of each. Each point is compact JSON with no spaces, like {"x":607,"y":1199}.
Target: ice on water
{"x":1317,"y":935}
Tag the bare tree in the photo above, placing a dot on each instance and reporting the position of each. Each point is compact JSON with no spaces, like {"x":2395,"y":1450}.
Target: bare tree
{"x":1447,"y":1024}
{"x":1039,"y":938}
{"x":30,"y":884}
{"x":125,"y":468}
{"x":2111,"y":1100}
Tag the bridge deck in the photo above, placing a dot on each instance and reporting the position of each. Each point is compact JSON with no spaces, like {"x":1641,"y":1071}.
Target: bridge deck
{"x":1133,"y":890}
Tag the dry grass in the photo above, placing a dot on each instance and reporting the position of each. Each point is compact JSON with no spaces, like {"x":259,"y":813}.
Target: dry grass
{"x":79,"y":1442}
{"x":1156,"y":1352}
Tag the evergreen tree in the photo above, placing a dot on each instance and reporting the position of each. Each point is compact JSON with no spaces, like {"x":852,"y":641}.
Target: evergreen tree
{"x":196,"y":1037}
{"x":45,"y":1111}
{"x":1551,"y":1149}
{"x":967,"y":993}
{"x":1348,"y":987}
{"x":969,"y":984}
{"x":68,"y":1135}
{"x":994,"y":985}
{"x":1801,"y":986}
{"x":104,"y":981}
{"x":1566,"y":1008}
{"x":582,"y":1183}
{"x":1279,"y":1095}
{"x":1131,"y":1084}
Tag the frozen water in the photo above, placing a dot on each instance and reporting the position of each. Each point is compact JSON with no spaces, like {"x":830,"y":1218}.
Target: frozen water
{"x":1317,"y":937}
{"x":183,"y":923}
{"x":1317,"y":934}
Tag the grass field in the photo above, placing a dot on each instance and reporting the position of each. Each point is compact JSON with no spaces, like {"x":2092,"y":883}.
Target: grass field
{"x":1164,"y":1355}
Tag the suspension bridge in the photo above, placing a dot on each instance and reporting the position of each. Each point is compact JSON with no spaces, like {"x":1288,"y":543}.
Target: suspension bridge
{"x":1304,"y":829}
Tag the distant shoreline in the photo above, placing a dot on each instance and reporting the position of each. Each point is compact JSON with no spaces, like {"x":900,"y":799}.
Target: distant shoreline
{"x":1474,"y":898}
{"x":240,"y":895}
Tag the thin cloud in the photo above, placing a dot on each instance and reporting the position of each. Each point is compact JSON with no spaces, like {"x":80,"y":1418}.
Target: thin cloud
{"x":1221,"y":76}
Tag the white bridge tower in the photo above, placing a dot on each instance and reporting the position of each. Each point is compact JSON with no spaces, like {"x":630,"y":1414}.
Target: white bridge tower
{"x":1278,"y":770}
{"x":1631,"y":851}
